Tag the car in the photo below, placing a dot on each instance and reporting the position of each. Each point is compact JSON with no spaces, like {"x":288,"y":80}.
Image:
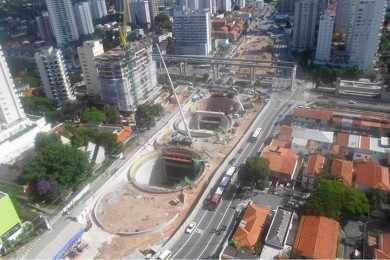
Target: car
{"x":240,"y":150}
{"x":191,"y":227}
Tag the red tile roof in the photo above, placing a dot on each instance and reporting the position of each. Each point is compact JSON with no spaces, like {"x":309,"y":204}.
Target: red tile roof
{"x":281,"y":160}
{"x":383,"y":250}
{"x":315,"y":164}
{"x":123,"y":135}
{"x":342,"y":139}
{"x":280,"y":143}
{"x":285,"y":133}
{"x":312,"y":113}
{"x":251,"y":226}
{"x":371,"y":174}
{"x":317,"y":237}
{"x":344,"y":170}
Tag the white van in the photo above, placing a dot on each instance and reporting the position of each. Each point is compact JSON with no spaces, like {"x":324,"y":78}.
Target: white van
{"x":167,"y":254}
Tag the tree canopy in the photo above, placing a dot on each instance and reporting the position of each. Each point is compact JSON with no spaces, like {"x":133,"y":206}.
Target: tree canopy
{"x":112,"y":114}
{"x":162,"y":23}
{"x":337,"y":201}
{"x":255,"y":171}
{"x":54,"y":167}
{"x":92,"y":115}
{"x":145,"y":115}
{"x":41,"y":106}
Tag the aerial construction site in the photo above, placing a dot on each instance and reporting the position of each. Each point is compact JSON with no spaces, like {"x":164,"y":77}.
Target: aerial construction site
{"x":148,"y":203}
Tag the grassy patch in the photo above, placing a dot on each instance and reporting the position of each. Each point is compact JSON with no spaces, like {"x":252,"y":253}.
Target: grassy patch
{"x":15,"y":193}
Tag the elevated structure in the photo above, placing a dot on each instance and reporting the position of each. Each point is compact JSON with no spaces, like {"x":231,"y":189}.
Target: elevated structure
{"x":283,"y":73}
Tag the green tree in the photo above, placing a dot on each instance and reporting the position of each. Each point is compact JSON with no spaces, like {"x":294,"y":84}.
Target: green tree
{"x":146,"y":114}
{"x":256,"y":171}
{"x":337,"y":201}
{"x":92,"y":115}
{"x":54,"y":164}
{"x":112,"y":114}
{"x":108,"y":141}
{"x":162,"y":23}
{"x":43,"y":140}
{"x":41,"y":106}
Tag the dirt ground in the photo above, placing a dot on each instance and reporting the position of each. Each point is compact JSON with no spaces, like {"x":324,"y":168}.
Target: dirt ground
{"x":255,"y":48}
{"x":122,"y":246}
{"x":120,"y":211}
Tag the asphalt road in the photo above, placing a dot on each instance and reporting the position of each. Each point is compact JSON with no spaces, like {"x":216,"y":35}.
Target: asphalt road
{"x":204,"y":242}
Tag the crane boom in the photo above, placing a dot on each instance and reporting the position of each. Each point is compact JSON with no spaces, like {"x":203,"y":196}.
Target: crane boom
{"x":124,"y":26}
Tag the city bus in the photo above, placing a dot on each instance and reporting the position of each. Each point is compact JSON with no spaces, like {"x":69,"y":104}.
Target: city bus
{"x":255,"y":135}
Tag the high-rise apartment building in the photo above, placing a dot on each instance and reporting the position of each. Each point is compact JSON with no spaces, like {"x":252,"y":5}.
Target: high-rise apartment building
{"x":325,"y":35}
{"x":364,"y":32}
{"x":54,"y":75}
{"x":343,"y":15}
{"x":192,"y":33}
{"x":305,"y":21}
{"x":11,"y":110}
{"x":87,"y":53}
{"x":98,"y":8}
{"x":224,"y":5}
{"x":154,"y":6}
{"x":62,"y":20}
{"x":83,"y":16}
{"x":44,"y":28}
{"x":286,"y":6}
{"x":140,"y":13}
{"x":127,"y":82}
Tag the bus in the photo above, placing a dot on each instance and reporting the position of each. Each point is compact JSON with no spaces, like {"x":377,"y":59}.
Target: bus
{"x":255,"y":135}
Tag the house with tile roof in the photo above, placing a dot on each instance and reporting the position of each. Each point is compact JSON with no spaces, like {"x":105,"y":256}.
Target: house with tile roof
{"x":283,"y":162}
{"x":251,"y":227}
{"x":382,"y":251}
{"x":313,"y":170}
{"x":317,"y":238}
{"x":371,"y":175}
{"x":343,"y":170}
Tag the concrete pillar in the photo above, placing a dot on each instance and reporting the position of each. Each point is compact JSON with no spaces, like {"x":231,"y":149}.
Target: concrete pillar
{"x":252,"y":73}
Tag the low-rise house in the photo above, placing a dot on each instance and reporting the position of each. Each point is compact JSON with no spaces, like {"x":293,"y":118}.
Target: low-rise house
{"x":313,"y":170}
{"x":317,"y":238}
{"x":382,"y":250}
{"x":251,"y":227}
{"x":283,"y":162}
{"x":370,"y":175}
{"x":343,"y":170}
{"x":280,"y":235}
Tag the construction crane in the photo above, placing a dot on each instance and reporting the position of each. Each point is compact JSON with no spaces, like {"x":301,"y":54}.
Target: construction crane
{"x":124,"y":26}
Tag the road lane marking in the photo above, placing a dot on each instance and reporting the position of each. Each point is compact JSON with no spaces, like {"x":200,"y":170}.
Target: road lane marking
{"x":226,"y":211}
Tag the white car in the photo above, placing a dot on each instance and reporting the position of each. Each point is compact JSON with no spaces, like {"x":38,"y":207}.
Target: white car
{"x":191,"y":227}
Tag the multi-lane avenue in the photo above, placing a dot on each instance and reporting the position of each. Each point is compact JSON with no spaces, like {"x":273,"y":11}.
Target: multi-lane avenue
{"x":213,"y":226}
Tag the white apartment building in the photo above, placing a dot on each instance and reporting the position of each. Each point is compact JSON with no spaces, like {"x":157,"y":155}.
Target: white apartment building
{"x":11,"y":110}
{"x":127,"y":82}
{"x":83,"y":16}
{"x":305,"y":20}
{"x":360,"y":88}
{"x":364,"y":32}
{"x":87,"y":53}
{"x":54,"y":75}
{"x":192,"y":33}
{"x":98,"y":8}
{"x":324,"y":38}
{"x":62,"y":20}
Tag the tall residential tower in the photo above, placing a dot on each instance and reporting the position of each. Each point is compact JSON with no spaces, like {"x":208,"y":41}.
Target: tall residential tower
{"x":63,"y":22}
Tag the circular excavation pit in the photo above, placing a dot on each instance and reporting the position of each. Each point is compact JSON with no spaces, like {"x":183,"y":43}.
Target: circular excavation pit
{"x":167,"y":170}
{"x":209,"y":116}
